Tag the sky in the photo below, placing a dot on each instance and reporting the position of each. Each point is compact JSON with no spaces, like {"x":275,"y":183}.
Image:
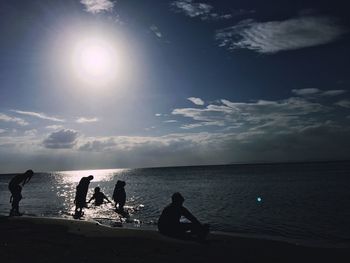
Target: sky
{"x":89,"y":84}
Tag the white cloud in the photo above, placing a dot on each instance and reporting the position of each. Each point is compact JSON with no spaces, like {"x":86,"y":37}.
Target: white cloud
{"x":227,"y":113}
{"x":196,"y":101}
{"x":170,"y":121}
{"x":302,"y":92}
{"x":204,"y":147}
{"x":97,"y":6}
{"x":343,"y":103}
{"x":158,"y":114}
{"x":7,"y":118}
{"x":275,"y":36}
{"x":304,"y":143}
{"x":39,"y":115}
{"x":31,"y":133}
{"x":62,"y":139}
{"x":334,"y":92}
{"x":202,"y":10}
{"x":216,"y":16}
{"x":156,"y":31}
{"x":192,"y":9}
{"x":98,"y":145}
{"x":54,"y":127}
{"x":86,"y":120}
{"x":202,"y":124}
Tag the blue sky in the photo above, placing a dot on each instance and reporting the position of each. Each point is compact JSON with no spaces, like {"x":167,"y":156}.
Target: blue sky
{"x":106,"y":84}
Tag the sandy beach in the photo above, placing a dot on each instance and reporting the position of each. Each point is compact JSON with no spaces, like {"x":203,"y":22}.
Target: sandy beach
{"x":59,"y":240}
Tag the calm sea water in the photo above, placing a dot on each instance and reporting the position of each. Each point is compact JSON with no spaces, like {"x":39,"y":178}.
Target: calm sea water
{"x":306,"y":203}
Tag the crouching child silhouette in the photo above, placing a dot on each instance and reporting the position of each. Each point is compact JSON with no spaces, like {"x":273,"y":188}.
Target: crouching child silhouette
{"x":169,"y":221}
{"x":99,"y":197}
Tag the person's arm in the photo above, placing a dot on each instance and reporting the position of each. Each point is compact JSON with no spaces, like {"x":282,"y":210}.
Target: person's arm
{"x":92,"y":197}
{"x":105,"y":197}
{"x":26,"y":180}
{"x":187,"y":214}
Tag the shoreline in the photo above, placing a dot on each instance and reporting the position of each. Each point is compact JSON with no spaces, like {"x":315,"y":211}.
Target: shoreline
{"x":67,"y":240}
{"x":153,"y":228}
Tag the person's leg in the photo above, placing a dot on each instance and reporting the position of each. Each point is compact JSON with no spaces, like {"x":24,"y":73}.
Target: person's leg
{"x":15,"y":206}
{"x":195,"y":230}
{"x":17,"y":196}
{"x":185,"y":227}
{"x":180,"y":230}
{"x":121,"y":206}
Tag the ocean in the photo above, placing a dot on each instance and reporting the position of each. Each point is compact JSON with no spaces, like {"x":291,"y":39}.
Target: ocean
{"x":307,"y":203}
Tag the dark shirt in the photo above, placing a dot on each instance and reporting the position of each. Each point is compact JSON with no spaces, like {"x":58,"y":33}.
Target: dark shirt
{"x":18,"y":179}
{"x":83,"y":187}
{"x":119,"y":195}
{"x":99,"y":198}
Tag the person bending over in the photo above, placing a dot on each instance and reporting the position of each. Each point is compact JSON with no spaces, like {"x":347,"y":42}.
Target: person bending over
{"x":169,"y":221}
{"x":99,"y":197}
{"x":16,"y":190}
{"x":80,"y":196}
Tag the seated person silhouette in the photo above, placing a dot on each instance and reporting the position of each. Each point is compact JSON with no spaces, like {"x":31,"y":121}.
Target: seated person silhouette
{"x":80,"y":196}
{"x":16,"y":190}
{"x":119,"y":196}
{"x":169,"y":221}
{"x":99,"y":197}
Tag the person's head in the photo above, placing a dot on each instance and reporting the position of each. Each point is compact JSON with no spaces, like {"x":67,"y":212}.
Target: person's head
{"x":177,"y":199}
{"x":28,"y":174}
{"x":120,"y":184}
{"x":97,"y":189}
{"x":90,"y":177}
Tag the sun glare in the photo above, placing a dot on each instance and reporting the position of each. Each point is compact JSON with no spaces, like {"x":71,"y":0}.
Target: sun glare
{"x":95,"y":61}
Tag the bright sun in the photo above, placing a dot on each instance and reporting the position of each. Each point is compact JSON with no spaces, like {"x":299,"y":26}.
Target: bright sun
{"x":95,"y":61}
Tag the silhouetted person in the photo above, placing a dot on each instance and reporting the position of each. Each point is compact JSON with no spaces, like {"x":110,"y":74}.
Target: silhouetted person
{"x":119,"y":195}
{"x":16,"y":190}
{"x":169,"y":221}
{"x":80,"y":196}
{"x":99,"y":197}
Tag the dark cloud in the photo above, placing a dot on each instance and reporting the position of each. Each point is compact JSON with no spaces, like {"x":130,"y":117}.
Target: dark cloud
{"x":98,"y":145}
{"x":62,"y":139}
{"x":317,"y":92}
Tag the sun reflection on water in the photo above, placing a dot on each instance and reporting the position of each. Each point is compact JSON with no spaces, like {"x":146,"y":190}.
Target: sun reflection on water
{"x":65,"y":188}
{"x":99,"y":175}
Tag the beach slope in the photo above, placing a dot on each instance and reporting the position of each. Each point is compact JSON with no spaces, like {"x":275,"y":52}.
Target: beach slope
{"x":25,"y":239}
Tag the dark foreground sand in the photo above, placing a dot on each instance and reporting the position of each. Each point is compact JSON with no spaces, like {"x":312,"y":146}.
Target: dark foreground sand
{"x":25,"y":239}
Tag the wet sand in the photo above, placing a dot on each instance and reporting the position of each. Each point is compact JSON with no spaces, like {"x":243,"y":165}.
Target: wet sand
{"x":29,"y":239}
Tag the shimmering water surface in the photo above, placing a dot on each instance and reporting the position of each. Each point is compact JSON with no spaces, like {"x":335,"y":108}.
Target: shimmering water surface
{"x":307,"y":202}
